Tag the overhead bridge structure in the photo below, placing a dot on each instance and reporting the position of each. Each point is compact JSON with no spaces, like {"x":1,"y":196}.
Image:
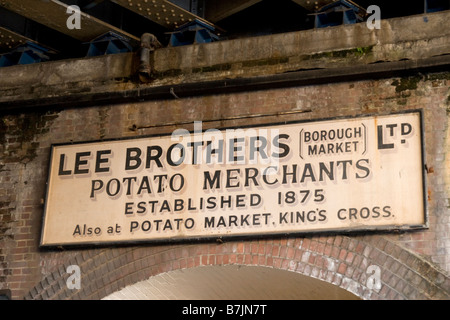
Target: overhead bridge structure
{"x":45,"y":22}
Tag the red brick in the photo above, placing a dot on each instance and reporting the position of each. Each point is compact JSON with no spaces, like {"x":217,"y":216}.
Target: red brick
{"x":275,"y":251}
{"x":262,"y":249}
{"x":327,"y":250}
{"x":342,"y":268}
{"x":290,"y":253}
{"x":305,"y":243}
{"x":349,"y":257}
{"x":342,"y":254}
{"x":312,"y":259}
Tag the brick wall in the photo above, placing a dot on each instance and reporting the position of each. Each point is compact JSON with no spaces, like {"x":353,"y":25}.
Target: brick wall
{"x":414,"y":265}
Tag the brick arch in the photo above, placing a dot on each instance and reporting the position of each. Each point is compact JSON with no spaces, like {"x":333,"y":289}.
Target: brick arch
{"x":339,"y":260}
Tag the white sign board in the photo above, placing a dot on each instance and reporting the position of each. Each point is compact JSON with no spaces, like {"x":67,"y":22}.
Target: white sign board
{"x":364,"y":173}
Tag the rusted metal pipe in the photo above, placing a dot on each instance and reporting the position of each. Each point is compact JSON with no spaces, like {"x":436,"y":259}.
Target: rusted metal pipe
{"x":149,"y":43}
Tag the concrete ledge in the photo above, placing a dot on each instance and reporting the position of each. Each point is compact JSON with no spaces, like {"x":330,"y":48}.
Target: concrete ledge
{"x":53,"y":73}
{"x":300,"y":78}
{"x":408,"y":37}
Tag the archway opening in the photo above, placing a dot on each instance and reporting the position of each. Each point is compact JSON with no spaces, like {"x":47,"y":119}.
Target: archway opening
{"x":234,"y":282}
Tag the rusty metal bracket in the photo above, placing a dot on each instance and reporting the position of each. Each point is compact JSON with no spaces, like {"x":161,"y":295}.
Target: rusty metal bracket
{"x":149,"y":43}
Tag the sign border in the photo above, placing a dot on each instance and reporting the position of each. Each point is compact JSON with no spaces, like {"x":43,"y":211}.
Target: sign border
{"x":220,"y":239}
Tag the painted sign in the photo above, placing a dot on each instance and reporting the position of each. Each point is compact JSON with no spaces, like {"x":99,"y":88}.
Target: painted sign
{"x":364,"y":173}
